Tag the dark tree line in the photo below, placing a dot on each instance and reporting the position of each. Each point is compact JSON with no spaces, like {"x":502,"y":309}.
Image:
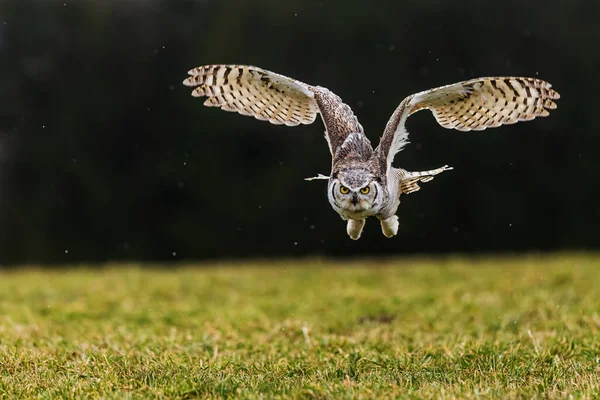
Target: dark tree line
{"x":105,"y":156}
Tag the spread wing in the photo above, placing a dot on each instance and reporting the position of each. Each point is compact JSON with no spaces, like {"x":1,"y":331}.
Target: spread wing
{"x":475,"y":104}
{"x":271,"y":97}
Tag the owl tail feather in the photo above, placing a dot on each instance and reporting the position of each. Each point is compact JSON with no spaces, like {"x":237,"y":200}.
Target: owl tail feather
{"x":320,"y":176}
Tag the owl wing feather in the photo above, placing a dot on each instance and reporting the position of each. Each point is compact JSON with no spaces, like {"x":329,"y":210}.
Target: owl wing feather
{"x":409,"y":181}
{"x":476,"y":104}
{"x":272,"y":97}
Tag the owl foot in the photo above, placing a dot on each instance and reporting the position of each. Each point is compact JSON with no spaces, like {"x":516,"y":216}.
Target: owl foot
{"x":389,"y":226}
{"x":355,"y":228}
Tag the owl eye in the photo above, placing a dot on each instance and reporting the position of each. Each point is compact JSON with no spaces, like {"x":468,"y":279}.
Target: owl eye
{"x":365,"y":190}
{"x":344,"y":190}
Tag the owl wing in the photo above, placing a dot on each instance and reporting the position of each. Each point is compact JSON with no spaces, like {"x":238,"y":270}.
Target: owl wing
{"x":475,"y":104}
{"x":271,"y":97}
{"x":409,"y":181}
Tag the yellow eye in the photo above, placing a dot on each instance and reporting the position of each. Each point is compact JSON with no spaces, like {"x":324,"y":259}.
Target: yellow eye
{"x":344,"y":190}
{"x":365,"y":190}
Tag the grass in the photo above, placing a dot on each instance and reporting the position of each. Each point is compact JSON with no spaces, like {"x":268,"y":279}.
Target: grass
{"x":411,"y":328}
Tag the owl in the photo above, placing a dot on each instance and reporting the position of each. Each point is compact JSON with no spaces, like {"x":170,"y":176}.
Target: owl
{"x":363,"y":183}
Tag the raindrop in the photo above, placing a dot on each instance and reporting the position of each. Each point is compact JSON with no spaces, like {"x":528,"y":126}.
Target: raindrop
{"x":180,"y":184}
{"x":295,"y":243}
{"x":509,"y":224}
{"x":455,"y":229}
{"x":312,"y":227}
{"x":295,"y":14}
{"x":171,"y":87}
{"x":392,"y":47}
{"x":184,"y":163}
{"x":66,"y":251}
{"x":174,"y":253}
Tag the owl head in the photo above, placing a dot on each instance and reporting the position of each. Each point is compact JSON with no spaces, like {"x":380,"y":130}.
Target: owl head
{"x":355,"y":192}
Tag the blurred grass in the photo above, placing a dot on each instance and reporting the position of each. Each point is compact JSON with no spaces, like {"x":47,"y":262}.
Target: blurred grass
{"x":409,"y":328}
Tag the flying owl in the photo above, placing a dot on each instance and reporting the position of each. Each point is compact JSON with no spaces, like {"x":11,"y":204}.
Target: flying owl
{"x":363,"y":183}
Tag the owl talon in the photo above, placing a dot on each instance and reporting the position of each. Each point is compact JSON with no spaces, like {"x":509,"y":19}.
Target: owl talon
{"x":389,"y":226}
{"x":355,"y":228}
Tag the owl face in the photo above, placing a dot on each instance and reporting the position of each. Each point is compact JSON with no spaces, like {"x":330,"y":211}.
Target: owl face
{"x":355,"y":193}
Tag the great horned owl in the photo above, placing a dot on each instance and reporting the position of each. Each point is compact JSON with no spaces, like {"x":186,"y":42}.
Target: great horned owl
{"x":362,"y":182}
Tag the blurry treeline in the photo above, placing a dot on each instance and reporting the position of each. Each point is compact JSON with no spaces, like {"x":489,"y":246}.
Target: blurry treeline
{"x":104,"y":155}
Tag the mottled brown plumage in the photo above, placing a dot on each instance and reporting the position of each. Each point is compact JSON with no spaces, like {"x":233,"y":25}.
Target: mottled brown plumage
{"x":363,"y":182}
{"x":252,"y":91}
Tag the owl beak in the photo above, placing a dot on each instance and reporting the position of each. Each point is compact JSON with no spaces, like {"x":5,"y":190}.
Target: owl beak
{"x":355,"y":199}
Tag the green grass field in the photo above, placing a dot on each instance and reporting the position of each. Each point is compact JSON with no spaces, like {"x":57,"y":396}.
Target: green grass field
{"x":412,"y":328}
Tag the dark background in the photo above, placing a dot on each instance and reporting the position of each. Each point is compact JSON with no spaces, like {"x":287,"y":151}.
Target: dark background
{"x":104,"y":155}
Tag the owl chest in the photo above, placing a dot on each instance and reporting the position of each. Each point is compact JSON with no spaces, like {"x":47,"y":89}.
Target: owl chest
{"x":351,"y":214}
{"x":390,"y":201}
